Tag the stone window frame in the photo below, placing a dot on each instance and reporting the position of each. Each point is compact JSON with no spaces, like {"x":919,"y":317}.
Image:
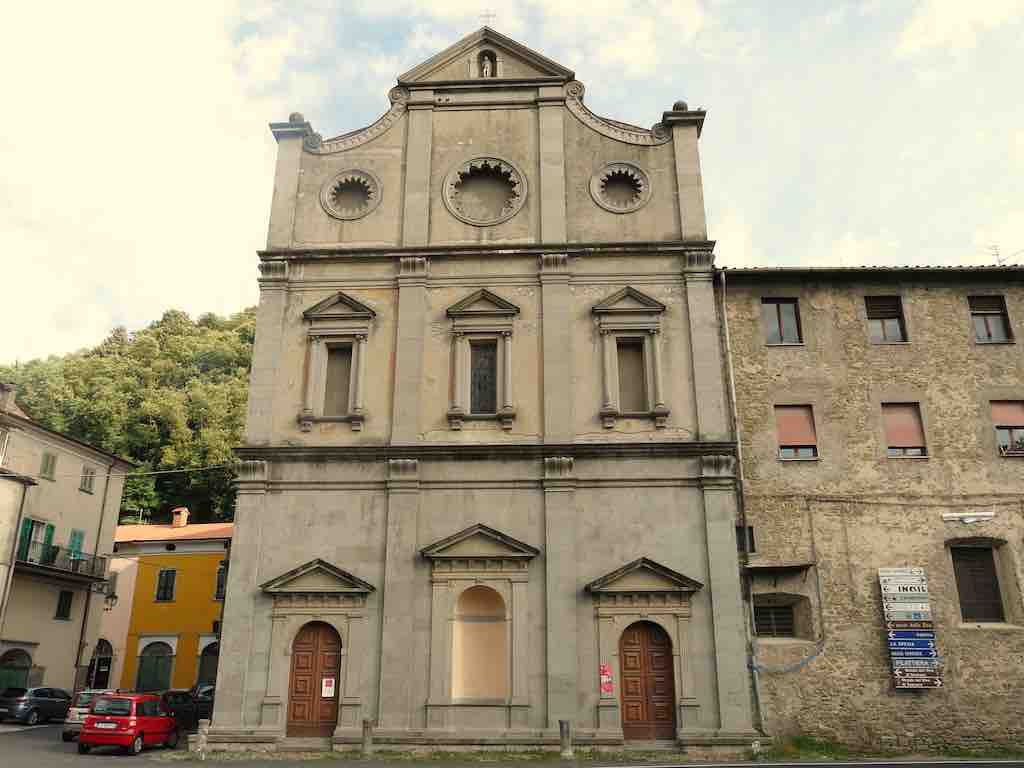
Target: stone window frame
{"x":343,"y":607}
{"x":495,"y":322}
{"x":339,"y":320}
{"x":639,"y":321}
{"x":503,"y":566}
{"x":803,"y":616}
{"x":1006,"y":577}
{"x":668,"y":606}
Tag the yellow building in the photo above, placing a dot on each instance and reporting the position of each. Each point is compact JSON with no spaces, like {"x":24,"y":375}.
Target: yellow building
{"x":169,"y":580}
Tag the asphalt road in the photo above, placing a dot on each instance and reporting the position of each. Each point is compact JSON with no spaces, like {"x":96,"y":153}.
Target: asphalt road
{"x":41,"y":747}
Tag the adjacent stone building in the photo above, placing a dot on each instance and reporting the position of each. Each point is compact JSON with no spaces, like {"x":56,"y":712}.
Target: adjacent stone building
{"x":488,"y":480}
{"x":882,"y":426}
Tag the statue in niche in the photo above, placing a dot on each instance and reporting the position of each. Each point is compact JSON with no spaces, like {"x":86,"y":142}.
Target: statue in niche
{"x":487,"y":67}
{"x":487,"y":64}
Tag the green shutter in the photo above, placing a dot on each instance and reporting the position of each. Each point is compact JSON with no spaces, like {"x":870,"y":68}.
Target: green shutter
{"x":48,"y":553}
{"x":75,"y":543}
{"x":26,"y":539}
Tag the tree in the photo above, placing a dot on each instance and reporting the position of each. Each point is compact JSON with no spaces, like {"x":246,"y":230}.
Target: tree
{"x":170,"y":397}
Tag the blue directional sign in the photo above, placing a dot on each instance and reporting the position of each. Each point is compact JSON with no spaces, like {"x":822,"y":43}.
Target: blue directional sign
{"x":913,"y":653}
{"x":919,"y":644}
{"x":905,"y":634}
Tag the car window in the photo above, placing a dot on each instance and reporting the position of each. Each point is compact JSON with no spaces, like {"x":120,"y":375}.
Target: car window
{"x":106,"y":705}
{"x":12,"y":693}
{"x":62,"y":694}
{"x":43,"y":693}
{"x":84,"y":699}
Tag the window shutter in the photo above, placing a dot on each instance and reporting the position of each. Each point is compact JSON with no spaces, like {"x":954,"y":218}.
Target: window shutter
{"x":977,"y":584}
{"x":883,"y":307}
{"x":903,"y":427}
{"x":987,"y":304}
{"x":632,"y":382}
{"x":1008,"y":413}
{"x":774,"y":620}
{"x":794,"y":425}
{"x":339,"y":377}
{"x":26,"y":539}
{"x":75,"y":542}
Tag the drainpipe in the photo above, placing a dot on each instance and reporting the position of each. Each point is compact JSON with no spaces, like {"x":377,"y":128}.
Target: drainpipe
{"x":88,"y":594}
{"x":13,"y":558}
{"x":755,"y":678}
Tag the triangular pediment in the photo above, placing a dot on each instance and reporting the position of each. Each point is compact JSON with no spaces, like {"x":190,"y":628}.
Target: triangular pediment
{"x":644,"y":575}
{"x":629,"y":301}
{"x":316,"y":577}
{"x":455,"y":63}
{"x":483,"y":303}
{"x":479,"y":541}
{"x":339,"y":306}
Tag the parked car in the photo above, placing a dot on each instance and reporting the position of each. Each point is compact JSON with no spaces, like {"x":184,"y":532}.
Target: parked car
{"x":77,"y":712}
{"x":189,"y":707}
{"x":129,"y":720}
{"x":34,"y":705}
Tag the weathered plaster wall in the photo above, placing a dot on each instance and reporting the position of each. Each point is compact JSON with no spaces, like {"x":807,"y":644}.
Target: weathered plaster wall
{"x":854,"y":510}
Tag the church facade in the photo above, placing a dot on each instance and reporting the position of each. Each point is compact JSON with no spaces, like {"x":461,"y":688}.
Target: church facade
{"x":489,"y":479}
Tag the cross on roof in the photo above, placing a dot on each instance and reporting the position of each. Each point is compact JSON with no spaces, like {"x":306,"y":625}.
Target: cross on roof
{"x":487,"y":17}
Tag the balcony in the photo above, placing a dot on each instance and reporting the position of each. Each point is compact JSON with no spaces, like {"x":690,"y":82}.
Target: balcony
{"x":49,"y":559}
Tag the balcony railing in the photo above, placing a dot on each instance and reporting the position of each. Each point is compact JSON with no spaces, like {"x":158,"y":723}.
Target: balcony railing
{"x":63,"y":559}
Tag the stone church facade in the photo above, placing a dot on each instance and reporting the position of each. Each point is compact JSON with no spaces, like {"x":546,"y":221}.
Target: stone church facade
{"x":489,"y":474}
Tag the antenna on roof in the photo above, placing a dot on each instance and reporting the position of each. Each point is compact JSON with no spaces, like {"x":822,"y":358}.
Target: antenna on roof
{"x":997,"y":258}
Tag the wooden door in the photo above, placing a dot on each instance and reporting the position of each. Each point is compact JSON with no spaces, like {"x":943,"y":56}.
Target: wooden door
{"x":648,"y":683}
{"x":316,"y":657}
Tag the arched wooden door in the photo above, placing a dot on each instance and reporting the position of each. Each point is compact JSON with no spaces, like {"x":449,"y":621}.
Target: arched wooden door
{"x":313,"y":684}
{"x":648,"y":683}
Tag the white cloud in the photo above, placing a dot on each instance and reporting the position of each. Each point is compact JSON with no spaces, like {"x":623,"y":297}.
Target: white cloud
{"x":137,"y":168}
{"x":734,"y":240}
{"x":955,"y":24}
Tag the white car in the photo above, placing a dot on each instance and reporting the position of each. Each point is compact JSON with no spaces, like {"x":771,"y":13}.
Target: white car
{"x":77,"y":711}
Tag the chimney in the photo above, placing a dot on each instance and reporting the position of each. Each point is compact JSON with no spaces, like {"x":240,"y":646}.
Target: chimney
{"x":179,"y":517}
{"x":7,"y":393}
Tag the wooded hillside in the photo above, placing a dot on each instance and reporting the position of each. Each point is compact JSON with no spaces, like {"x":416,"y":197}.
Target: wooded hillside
{"x":171,"y":396}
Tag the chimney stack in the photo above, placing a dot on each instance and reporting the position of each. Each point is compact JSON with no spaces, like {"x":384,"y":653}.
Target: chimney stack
{"x":179,"y":517}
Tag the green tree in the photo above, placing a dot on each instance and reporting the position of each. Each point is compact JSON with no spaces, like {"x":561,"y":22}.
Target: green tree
{"x":170,"y":397}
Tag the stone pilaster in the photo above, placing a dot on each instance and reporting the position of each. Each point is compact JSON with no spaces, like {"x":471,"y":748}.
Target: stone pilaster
{"x":419,"y":139}
{"x":398,"y":663}
{"x":263,"y":375}
{"x":290,"y":137}
{"x":686,"y":126}
{"x":709,"y":383}
{"x":240,"y":603}
{"x":719,"y":486}
{"x":412,"y":321}
{"x":557,"y":330}
{"x":550,"y":116}
{"x":561,"y":589}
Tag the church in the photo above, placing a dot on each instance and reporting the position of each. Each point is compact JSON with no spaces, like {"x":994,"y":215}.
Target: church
{"x":489,"y":474}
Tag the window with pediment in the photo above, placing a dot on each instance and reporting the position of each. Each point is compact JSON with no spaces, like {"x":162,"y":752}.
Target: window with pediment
{"x":337,"y":334}
{"x":481,"y":360}
{"x":630,"y":326}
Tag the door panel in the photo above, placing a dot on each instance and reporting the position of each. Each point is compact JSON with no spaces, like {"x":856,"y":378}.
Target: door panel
{"x":316,"y":655}
{"x":648,"y":683}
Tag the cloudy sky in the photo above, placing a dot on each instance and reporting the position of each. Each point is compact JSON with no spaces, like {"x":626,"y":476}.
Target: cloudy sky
{"x":137,"y":165}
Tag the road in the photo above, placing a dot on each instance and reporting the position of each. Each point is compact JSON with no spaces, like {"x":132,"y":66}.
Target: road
{"x":41,"y":747}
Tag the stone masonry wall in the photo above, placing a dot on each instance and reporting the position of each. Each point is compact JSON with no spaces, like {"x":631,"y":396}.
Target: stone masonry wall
{"x":853,"y":510}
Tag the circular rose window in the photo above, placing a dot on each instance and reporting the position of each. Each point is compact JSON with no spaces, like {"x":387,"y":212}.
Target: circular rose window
{"x":350,"y":194}
{"x":620,"y":188}
{"x":485,"y":191}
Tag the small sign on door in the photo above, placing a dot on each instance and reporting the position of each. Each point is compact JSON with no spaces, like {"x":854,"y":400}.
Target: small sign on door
{"x":327,"y":688}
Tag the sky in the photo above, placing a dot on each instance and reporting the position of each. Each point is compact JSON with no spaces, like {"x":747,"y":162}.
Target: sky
{"x":136,"y":168}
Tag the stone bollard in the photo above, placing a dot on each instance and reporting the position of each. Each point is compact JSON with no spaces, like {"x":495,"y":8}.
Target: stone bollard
{"x":204,"y":732}
{"x":367,"y":737}
{"x":565,"y":739}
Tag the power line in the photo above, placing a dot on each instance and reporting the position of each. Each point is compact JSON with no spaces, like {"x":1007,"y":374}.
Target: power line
{"x":129,"y":474}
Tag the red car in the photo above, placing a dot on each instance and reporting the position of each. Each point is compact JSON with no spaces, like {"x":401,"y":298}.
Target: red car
{"x":129,"y":720}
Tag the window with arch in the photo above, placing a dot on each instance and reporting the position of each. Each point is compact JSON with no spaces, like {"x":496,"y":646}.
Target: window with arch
{"x":15,"y":665}
{"x":155,"y":661}
{"x":479,"y":646}
{"x":208,"y":664}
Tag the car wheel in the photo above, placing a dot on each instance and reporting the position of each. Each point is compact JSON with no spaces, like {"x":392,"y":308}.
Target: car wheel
{"x":83,"y":749}
{"x":33,"y":717}
{"x":172,"y":739}
{"x":136,"y":746}
{"x":67,"y":736}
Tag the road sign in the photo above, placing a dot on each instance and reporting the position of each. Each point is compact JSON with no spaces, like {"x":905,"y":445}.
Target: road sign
{"x":902,"y":625}
{"x":904,"y":571}
{"x":918,"y":644}
{"x":899,"y":600}
{"x":925,"y":682}
{"x":918,"y":606}
{"x":911,"y":635}
{"x":898,"y":662}
{"x":912,"y":653}
{"x":902,"y":588}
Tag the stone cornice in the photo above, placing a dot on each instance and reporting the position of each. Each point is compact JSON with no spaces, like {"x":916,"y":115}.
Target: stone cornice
{"x":698,"y":251}
{"x":688,"y":117}
{"x":462,"y":452}
{"x":658,"y":134}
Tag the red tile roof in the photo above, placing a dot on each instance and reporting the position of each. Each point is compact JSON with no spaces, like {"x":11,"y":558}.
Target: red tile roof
{"x":166,"y":532}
